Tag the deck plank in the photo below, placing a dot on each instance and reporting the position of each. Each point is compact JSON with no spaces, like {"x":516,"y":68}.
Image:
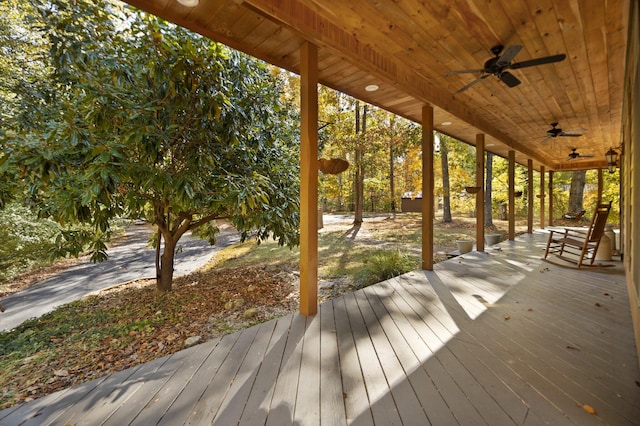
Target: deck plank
{"x":189,"y":397}
{"x":210,"y":400}
{"x":257,"y":407}
{"x":235,"y":400}
{"x":558,"y":364}
{"x":487,"y":338}
{"x":332,"y":410}
{"x":382,"y":405}
{"x":129,"y":410}
{"x":107,"y":397}
{"x":44,"y":411}
{"x":402,"y":392}
{"x":463,"y":411}
{"x":307,"y":407}
{"x":282,"y":406}
{"x":355,"y":396}
{"x":403,"y":337}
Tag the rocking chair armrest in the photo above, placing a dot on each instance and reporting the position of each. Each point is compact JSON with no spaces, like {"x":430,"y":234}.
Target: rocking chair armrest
{"x":564,"y":232}
{"x":582,"y":233}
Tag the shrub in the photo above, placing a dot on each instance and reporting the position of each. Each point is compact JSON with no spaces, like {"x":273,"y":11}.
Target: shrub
{"x":26,"y":240}
{"x":382,"y":266}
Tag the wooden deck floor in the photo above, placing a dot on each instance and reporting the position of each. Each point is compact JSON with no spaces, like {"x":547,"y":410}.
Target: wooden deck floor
{"x":487,"y":338}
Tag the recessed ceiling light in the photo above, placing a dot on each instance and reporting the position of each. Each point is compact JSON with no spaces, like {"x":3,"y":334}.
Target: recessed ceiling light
{"x":371,"y":88}
{"x":189,"y":3}
{"x":445,"y":123}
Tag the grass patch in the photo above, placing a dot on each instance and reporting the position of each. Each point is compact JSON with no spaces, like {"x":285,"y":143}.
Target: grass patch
{"x":382,"y":266}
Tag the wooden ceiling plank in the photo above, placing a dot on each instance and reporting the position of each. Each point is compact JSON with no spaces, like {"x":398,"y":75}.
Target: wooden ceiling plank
{"x":594,"y":24}
{"x":388,"y":67}
{"x":573,"y":33}
{"x":541,"y":84}
{"x":408,"y":45}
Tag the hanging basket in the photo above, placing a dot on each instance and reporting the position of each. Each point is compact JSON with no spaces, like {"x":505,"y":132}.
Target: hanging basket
{"x":332,"y":166}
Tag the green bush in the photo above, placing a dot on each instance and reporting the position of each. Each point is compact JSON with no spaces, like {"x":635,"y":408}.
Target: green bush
{"x":26,"y":240}
{"x":382,"y":266}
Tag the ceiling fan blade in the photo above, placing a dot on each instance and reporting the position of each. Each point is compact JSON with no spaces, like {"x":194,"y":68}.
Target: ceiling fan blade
{"x":508,"y":55}
{"x":509,"y":79}
{"x":585,"y":156}
{"x":464,"y":72}
{"x":538,"y":61}
{"x":574,"y":131}
{"x":572,"y":135}
{"x":473,"y":83}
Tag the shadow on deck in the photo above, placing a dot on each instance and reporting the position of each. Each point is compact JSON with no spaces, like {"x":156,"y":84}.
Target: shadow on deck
{"x":486,"y":338}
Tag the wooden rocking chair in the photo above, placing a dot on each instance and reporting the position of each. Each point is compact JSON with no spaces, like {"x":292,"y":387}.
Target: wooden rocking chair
{"x":581,"y":245}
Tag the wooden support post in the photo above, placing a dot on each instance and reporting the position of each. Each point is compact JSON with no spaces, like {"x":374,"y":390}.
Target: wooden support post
{"x":308,"y":179}
{"x":542,"y":197}
{"x":427,"y":188}
{"x":550,"y":197}
{"x":512,"y":199}
{"x":530,"y":196}
{"x":480,"y":194}
{"x":600,"y":186}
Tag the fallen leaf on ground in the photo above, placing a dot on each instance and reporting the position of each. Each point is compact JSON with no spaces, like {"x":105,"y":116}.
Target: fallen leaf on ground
{"x":589,"y":409}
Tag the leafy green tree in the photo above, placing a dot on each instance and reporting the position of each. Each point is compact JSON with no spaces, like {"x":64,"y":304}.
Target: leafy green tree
{"x":23,"y":72}
{"x":152,"y":120}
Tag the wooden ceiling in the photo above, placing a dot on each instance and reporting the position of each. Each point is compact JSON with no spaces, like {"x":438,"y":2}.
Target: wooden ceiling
{"x":406,"y":47}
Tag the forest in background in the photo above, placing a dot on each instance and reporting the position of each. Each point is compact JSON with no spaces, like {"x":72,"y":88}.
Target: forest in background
{"x":387,"y":152}
{"x":384,"y":152}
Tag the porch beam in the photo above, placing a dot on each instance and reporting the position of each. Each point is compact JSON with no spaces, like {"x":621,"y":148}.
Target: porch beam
{"x":308,"y":179}
{"x":480,"y":194}
{"x":427,"y":187}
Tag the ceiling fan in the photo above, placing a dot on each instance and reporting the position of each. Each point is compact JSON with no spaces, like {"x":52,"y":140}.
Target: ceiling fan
{"x":555,"y":131}
{"x":500,"y":63}
{"x":574,"y":154}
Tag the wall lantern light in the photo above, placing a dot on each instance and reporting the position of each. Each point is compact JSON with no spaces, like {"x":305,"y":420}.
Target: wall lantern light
{"x":612,"y":158}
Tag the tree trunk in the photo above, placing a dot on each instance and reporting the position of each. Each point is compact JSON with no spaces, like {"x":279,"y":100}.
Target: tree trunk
{"x":488,"y":210}
{"x":158,"y":251}
{"x":392,"y":188}
{"x":576,"y":191}
{"x":359,"y":160}
{"x":446,"y":189}
{"x":165,"y":279}
{"x":340,"y":192}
